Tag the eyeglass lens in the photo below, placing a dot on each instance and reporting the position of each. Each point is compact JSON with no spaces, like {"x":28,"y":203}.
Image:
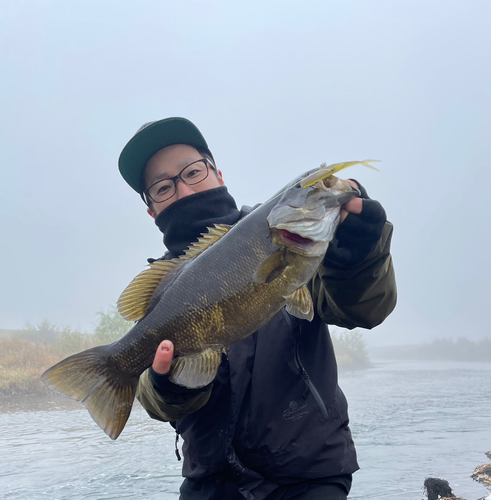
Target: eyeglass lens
{"x":192,"y":174}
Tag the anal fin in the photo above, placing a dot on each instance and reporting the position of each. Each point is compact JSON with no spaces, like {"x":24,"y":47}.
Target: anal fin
{"x":300,"y":304}
{"x":196,"y":370}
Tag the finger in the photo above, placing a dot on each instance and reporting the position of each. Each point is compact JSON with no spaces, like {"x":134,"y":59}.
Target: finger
{"x":163,"y":357}
{"x":342,"y":215}
{"x":352,"y":183}
{"x":354,"y":206}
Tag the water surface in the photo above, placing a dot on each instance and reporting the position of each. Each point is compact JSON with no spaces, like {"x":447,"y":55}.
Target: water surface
{"x":410,"y":420}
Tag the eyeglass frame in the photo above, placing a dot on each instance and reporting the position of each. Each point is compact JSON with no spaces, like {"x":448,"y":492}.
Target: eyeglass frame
{"x":145,"y":194}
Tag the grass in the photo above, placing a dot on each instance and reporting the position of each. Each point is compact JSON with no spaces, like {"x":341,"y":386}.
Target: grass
{"x":21,"y":364}
{"x":26,"y":354}
{"x":23,"y":360}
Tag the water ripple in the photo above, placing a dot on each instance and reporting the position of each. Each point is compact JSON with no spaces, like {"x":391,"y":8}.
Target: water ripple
{"x":409,"y":421}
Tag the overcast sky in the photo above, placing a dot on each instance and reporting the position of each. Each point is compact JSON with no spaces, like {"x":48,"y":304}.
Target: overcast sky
{"x":276,"y":88}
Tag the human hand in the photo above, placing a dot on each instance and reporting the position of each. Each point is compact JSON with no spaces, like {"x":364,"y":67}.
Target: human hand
{"x":353,"y":206}
{"x":356,"y":237}
{"x":163,"y":357}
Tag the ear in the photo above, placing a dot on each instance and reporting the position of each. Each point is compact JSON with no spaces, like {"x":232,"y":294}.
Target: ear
{"x":151,"y":213}
{"x":220,"y":178}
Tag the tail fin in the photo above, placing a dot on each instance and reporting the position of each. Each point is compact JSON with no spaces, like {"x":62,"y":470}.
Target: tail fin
{"x":99,"y":385}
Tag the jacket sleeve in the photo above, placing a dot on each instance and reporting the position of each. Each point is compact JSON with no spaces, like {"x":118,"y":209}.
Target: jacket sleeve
{"x":355,"y":285}
{"x":166,"y":401}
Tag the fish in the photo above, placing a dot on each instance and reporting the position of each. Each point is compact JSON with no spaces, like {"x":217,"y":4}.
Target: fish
{"x":226,"y":286}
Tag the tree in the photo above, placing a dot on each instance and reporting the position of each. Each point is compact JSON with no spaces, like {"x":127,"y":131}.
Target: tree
{"x":110,"y":326}
{"x":350,"y":348}
{"x":45,"y":332}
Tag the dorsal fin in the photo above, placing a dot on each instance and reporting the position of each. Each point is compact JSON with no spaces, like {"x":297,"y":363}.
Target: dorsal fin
{"x":133,"y":302}
{"x":207,"y":239}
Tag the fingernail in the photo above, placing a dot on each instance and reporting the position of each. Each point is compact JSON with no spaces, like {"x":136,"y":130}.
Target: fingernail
{"x":165,"y":345}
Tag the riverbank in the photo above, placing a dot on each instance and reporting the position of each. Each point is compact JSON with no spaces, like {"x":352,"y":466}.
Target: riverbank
{"x":40,"y":401}
{"x":21,"y":364}
{"x":437,"y":350}
{"x":23,"y":361}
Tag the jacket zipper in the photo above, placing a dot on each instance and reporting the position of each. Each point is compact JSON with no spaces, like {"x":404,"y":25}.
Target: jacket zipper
{"x":310,"y":387}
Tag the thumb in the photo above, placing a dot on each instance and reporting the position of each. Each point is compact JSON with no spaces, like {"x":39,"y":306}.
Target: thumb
{"x":163,"y":357}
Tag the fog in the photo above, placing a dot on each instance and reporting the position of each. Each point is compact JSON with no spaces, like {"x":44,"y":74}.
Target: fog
{"x":276,"y":88}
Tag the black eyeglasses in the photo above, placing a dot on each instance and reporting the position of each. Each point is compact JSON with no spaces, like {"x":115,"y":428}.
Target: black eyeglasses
{"x":191,"y":174}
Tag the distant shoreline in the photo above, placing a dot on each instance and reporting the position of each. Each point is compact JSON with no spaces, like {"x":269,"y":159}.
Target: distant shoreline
{"x":23,"y":360}
{"x":42,"y":398}
{"x":437,"y":350}
{"x":39,"y":401}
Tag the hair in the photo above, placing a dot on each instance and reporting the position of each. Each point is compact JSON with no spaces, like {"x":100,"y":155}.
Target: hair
{"x":207,"y":154}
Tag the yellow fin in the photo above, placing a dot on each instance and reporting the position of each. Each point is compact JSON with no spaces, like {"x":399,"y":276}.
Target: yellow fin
{"x":102,"y":387}
{"x":207,"y":239}
{"x":270,"y":268}
{"x":134,"y":301}
{"x":328,"y":170}
{"x":197,"y":370}
{"x":299,"y":303}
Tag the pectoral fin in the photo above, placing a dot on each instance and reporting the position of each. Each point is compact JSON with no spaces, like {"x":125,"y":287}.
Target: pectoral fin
{"x":299,"y":303}
{"x":270,"y":268}
{"x":197,"y":370}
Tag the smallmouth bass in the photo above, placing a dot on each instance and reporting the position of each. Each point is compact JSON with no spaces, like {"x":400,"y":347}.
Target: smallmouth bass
{"x":224,"y":288}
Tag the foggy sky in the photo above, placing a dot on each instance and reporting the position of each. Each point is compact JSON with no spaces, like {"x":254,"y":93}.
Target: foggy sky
{"x":276,"y":88}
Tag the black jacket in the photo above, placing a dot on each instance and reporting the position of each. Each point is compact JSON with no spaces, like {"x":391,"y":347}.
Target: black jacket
{"x":275,"y":414}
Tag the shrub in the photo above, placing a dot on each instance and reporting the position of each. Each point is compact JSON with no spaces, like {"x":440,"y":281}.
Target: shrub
{"x":350,"y":348}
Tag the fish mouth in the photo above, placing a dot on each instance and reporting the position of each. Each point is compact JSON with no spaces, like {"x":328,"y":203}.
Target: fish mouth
{"x":294,"y":238}
{"x":293,"y":241}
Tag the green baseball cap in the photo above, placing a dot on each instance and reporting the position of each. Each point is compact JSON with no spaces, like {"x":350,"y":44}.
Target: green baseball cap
{"x":151,"y":137}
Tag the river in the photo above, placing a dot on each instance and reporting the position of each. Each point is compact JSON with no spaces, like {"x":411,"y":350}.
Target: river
{"x":410,"y":420}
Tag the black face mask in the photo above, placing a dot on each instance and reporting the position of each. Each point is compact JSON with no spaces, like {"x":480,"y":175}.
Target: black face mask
{"x":183,"y":222}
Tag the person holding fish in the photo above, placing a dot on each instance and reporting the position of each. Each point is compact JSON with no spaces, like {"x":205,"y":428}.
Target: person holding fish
{"x":231,"y":344}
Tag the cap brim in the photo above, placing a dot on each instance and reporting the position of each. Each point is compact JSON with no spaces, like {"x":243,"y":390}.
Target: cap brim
{"x":149,"y":139}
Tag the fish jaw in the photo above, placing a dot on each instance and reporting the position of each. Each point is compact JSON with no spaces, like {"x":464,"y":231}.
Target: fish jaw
{"x":308,"y":237}
{"x":305,"y":219}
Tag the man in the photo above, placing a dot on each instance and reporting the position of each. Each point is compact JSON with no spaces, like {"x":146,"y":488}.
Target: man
{"x":273,"y":424}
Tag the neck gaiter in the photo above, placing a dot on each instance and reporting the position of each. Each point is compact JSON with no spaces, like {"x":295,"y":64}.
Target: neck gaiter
{"x":183,"y":222}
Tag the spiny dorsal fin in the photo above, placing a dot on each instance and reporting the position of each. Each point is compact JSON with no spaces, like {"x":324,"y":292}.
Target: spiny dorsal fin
{"x":133,"y":302}
{"x":207,"y":239}
{"x":299,"y":303}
